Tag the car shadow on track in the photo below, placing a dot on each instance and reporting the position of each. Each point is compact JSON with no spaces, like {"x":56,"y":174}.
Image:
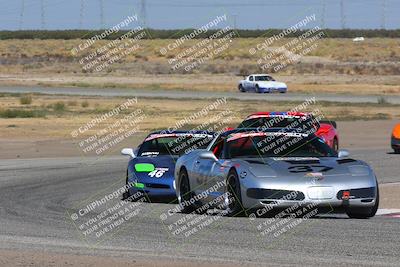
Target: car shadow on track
{"x":250,"y":214}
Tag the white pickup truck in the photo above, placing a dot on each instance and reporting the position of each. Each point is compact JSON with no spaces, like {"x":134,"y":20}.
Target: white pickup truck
{"x":261,"y":83}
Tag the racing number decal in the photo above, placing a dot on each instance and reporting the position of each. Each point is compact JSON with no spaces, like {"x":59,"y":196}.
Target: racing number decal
{"x":157,"y":173}
{"x":307,"y":168}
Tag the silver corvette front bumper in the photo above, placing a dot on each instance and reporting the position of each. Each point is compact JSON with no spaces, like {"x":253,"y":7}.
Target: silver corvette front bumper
{"x":257,"y":195}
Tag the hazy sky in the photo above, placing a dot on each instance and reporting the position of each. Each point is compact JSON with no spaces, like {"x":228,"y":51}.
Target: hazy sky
{"x":171,"y":14}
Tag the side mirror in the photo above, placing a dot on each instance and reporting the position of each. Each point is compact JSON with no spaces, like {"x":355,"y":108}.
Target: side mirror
{"x":208,"y":155}
{"x":343,"y":153}
{"x":128,"y":152}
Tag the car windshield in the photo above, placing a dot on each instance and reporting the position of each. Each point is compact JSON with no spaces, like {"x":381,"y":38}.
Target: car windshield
{"x":264,"y":78}
{"x":173,"y":144}
{"x":276,"y":145}
{"x":263,"y":123}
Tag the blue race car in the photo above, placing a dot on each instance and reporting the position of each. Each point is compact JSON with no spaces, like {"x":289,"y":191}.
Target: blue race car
{"x":151,"y":166}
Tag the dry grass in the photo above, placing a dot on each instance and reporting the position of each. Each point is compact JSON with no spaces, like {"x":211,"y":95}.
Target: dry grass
{"x":371,"y":50}
{"x":161,"y":113}
{"x":330,"y":56}
{"x":335,"y":66}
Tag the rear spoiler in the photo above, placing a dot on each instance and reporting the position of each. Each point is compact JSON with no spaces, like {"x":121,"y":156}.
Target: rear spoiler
{"x":333,"y":123}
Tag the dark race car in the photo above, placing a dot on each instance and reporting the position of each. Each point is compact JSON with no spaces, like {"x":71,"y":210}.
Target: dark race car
{"x":151,"y":166}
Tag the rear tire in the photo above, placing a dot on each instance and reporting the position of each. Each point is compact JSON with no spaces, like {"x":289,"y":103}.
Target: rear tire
{"x":235,"y":206}
{"x":397,"y":151}
{"x":335,"y":145}
{"x":364,"y":213}
{"x":257,"y":89}
{"x":241,"y":89}
{"x":185,"y":194}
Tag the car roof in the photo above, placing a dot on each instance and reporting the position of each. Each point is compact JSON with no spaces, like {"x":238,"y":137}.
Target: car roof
{"x":259,"y":74}
{"x":169,"y":133}
{"x":269,"y":130}
{"x":166,"y":131}
{"x":277,"y":114}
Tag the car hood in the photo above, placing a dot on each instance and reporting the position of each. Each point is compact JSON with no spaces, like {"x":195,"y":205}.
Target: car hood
{"x":274,"y":84}
{"x":164,"y":163}
{"x":310,"y":167}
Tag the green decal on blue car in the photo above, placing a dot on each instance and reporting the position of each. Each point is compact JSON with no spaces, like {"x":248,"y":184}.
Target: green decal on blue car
{"x":144,"y":167}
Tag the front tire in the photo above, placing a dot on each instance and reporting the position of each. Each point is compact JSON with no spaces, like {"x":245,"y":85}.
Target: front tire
{"x":126,"y":194}
{"x":241,"y":89}
{"x":364,"y":213}
{"x":257,"y":89}
{"x":397,"y":151}
{"x":235,"y":206}
{"x":185,"y":194}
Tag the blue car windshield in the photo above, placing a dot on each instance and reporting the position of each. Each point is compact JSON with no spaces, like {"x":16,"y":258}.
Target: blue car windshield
{"x":173,"y":145}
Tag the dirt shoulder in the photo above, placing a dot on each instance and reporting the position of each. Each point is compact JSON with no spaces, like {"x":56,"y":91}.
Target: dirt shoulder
{"x":334,"y":84}
{"x":389,"y":196}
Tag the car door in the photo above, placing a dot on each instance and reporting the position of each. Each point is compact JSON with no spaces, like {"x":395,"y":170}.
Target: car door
{"x":248,"y":83}
{"x":208,"y":171}
{"x":253,"y":83}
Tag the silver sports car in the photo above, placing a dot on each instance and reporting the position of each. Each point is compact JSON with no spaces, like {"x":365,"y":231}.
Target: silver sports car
{"x":245,"y":170}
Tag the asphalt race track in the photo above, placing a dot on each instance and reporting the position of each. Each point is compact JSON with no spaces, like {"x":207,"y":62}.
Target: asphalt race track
{"x":39,"y":196}
{"x":198,"y":95}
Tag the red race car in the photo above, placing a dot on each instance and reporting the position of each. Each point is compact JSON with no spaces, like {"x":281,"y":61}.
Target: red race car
{"x":323,"y":129}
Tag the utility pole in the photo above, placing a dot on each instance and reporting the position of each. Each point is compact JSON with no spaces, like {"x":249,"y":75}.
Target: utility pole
{"x":383,"y":18}
{"x":143,"y":12}
{"x":323,"y":14}
{"x":81,"y":14}
{"x":342,"y":15}
{"x":43,"y":22}
{"x":21,"y":16}
{"x":234,"y":21}
{"x":101,"y":3}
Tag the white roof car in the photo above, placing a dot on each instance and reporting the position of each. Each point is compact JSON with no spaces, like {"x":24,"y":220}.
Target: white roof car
{"x":261,"y":83}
